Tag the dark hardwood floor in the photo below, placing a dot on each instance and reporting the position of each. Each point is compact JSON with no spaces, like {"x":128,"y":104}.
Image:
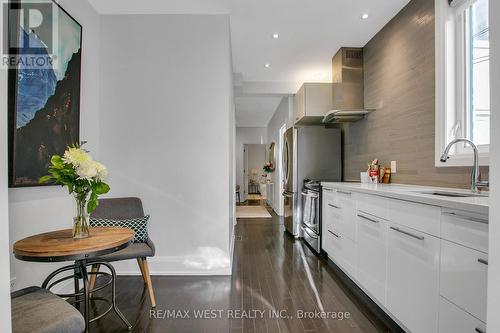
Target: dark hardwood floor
{"x":274,"y":278}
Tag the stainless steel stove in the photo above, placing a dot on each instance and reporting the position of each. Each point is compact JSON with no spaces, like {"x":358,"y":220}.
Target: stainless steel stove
{"x":311,"y":202}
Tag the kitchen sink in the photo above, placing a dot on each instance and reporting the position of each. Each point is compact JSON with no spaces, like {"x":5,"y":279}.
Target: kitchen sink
{"x":455,"y":194}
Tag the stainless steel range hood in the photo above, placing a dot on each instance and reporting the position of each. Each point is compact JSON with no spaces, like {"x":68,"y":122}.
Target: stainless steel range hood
{"x":348,"y":87}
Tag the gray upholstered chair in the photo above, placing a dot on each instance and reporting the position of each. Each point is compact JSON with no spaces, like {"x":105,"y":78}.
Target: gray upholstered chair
{"x":122,"y":209}
{"x":37,"y":310}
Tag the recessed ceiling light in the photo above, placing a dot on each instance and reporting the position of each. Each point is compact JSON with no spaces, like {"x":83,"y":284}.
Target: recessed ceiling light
{"x":276,"y":36}
{"x":364,"y":16}
{"x":267,"y":65}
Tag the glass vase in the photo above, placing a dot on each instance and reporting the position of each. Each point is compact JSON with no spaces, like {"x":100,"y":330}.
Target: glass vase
{"x":81,"y":220}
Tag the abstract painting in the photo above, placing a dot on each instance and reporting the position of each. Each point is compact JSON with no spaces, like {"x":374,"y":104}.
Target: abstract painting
{"x":44,"y":102}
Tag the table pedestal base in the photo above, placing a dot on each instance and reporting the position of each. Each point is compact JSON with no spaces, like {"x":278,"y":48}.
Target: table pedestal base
{"x":79,"y":269}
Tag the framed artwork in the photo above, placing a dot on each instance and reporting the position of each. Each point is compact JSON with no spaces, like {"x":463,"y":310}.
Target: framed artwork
{"x":44,"y":99}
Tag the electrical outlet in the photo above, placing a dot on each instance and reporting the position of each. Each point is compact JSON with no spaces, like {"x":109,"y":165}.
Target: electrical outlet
{"x":12,"y":282}
{"x":393,"y":167}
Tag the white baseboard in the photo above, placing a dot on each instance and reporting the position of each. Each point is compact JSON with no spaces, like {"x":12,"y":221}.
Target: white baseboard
{"x":165,"y":265}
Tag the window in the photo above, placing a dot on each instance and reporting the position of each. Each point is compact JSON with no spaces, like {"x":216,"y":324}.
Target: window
{"x":462,"y":78}
{"x":478,"y":63}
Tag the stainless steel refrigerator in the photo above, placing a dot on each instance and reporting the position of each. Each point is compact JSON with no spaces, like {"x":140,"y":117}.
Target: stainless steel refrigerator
{"x":308,"y":153}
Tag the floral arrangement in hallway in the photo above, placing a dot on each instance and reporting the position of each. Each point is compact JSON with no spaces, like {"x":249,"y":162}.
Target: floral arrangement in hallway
{"x":268,"y":167}
{"x":84,"y":178}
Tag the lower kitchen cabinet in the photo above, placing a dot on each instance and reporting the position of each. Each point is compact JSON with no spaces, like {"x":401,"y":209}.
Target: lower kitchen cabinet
{"x":339,"y":212}
{"x":347,"y":224}
{"x":464,"y":277}
{"x":371,"y":254}
{"x":425,"y":265}
{"x":454,"y":320}
{"x":342,"y":251}
{"x":413,"y":278}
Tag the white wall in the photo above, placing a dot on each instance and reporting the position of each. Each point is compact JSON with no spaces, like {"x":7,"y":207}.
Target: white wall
{"x":246,"y":135}
{"x":257,"y":157}
{"x":494,"y":226}
{"x":39,"y":209}
{"x":232,"y":164}
{"x":5,"y":325}
{"x":283,"y":115}
{"x":165,"y":133}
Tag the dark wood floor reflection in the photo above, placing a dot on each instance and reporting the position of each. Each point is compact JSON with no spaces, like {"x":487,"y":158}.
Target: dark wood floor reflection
{"x":273,"y":276}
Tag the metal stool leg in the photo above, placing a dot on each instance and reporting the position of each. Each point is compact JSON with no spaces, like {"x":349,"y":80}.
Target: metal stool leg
{"x":77,"y":285}
{"x":85,"y":278}
{"x":80,"y":272}
{"x":113,"y":295}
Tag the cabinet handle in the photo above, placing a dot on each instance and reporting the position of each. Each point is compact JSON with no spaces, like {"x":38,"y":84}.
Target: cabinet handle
{"x":478,"y":330}
{"x":333,"y":233}
{"x":408,"y":233}
{"x":368,"y":219}
{"x":482,"y":261}
{"x":465,"y":217}
{"x":334,"y":206}
{"x":327,"y":189}
{"x":343,"y":192}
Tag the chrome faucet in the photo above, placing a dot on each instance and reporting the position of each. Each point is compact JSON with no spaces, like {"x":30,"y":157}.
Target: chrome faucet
{"x":475,"y":174}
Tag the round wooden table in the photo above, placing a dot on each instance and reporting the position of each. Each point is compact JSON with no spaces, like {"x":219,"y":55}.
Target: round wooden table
{"x":58,"y":246}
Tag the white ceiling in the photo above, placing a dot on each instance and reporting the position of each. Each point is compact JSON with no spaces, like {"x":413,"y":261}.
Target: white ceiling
{"x":255,"y":111}
{"x":310,"y":32}
{"x":111,"y":7}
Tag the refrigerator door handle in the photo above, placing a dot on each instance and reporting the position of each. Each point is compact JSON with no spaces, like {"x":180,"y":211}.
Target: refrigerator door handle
{"x":285,"y":161}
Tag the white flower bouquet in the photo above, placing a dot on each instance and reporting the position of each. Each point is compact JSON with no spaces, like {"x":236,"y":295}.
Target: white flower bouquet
{"x":84,"y":178}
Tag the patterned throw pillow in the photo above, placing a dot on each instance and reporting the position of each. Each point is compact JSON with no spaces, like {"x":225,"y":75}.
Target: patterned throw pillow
{"x":139,"y":225}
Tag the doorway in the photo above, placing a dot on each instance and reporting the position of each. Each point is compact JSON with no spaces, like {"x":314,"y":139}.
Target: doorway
{"x":255,"y":179}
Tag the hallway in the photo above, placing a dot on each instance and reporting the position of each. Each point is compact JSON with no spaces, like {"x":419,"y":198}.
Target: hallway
{"x":273,"y":276}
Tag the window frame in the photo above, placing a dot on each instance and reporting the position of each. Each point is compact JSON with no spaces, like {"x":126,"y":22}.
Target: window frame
{"x":452,"y":85}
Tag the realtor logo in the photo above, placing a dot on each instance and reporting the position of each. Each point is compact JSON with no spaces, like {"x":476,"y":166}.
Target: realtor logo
{"x":29,"y":30}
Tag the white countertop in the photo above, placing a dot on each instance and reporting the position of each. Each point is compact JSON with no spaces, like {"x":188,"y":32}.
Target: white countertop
{"x":414,"y":193}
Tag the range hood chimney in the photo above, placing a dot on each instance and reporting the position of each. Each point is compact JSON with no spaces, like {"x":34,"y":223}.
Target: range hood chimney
{"x":348,"y":87}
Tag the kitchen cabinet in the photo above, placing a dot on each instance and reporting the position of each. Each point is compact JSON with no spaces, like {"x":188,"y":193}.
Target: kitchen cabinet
{"x":311,"y":102}
{"x":329,"y":215}
{"x":454,"y":320}
{"x":373,"y":205}
{"x":339,"y":210}
{"x":413,"y":278}
{"x":371,"y":254}
{"x":339,"y":228}
{"x":422,"y":263}
{"x":464,"y":276}
{"x":346,"y":224}
{"x":414,"y":215}
{"x":465,"y":228}
{"x":342,"y":251}
{"x":464,"y":261}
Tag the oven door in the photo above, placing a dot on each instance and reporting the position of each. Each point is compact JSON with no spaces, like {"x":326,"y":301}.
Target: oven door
{"x":311,"y":238}
{"x":310,"y":210}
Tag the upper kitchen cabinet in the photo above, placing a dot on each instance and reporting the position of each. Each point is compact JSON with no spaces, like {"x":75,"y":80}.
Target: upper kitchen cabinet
{"x":311,"y":103}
